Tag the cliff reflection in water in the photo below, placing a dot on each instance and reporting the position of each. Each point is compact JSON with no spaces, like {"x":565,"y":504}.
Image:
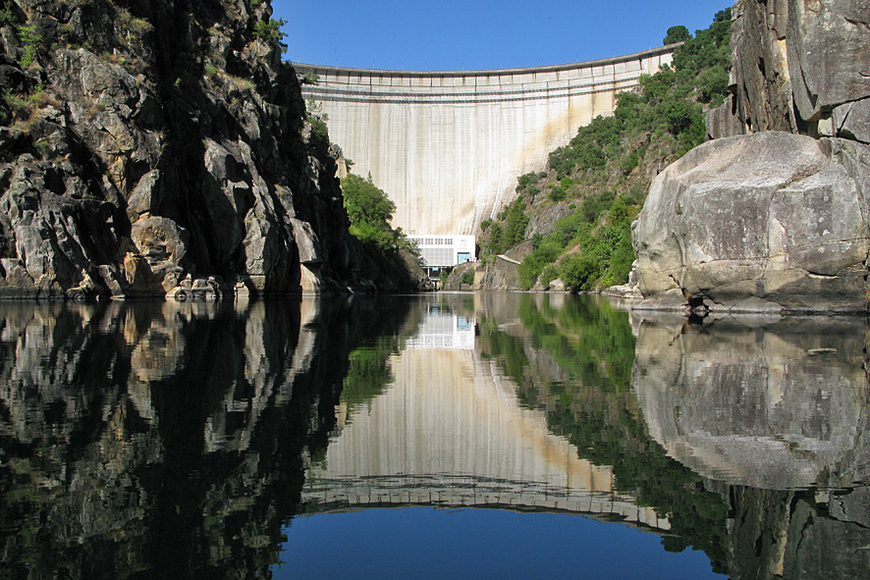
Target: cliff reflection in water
{"x":163,"y":440}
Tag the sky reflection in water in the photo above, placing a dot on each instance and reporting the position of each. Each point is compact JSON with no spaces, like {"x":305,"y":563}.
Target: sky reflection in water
{"x":418,"y":542}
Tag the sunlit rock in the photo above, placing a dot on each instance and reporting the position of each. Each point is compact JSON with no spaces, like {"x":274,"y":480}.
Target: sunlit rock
{"x":768,"y":222}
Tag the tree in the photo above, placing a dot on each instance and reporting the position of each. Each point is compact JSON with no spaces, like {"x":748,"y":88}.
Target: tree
{"x":517,"y":220}
{"x":365,"y":202}
{"x":677,"y":33}
{"x":579,"y":271}
{"x":369,"y":211}
{"x":723,"y":16}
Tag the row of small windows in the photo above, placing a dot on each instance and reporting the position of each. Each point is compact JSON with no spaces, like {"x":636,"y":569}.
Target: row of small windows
{"x":434,"y":241}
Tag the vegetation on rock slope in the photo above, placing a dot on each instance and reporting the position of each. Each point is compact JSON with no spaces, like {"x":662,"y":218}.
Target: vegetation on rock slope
{"x":594,"y":187}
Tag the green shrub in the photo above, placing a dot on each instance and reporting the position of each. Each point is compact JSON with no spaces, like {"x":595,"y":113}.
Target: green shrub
{"x":495,"y":244}
{"x":319,"y":133}
{"x":515,"y":226}
{"x":532,"y":266}
{"x":7,"y":12}
{"x":369,"y":211}
{"x":557,"y":194}
{"x":365,"y":202}
{"x":629,"y":162}
{"x":525,"y":180}
{"x":468,"y":277}
{"x":32,"y":43}
{"x":677,"y":34}
{"x":549,"y":274}
{"x":579,"y":271}
{"x":270,"y":32}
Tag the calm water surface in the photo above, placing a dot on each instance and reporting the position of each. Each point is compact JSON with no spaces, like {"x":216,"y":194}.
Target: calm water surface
{"x":446,"y":435}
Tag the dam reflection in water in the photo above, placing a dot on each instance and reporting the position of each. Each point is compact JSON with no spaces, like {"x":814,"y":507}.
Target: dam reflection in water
{"x":449,"y":431}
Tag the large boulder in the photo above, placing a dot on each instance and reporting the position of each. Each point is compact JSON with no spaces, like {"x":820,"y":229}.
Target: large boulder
{"x":764,"y":222}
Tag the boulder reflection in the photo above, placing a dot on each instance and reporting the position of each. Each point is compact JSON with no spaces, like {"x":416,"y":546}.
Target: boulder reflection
{"x":773,"y":413}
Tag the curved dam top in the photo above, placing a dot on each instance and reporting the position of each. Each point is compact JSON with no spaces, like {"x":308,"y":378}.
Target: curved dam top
{"x":447,"y":147}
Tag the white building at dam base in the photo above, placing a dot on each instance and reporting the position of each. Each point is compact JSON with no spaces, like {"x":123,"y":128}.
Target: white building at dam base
{"x":444,"y":251}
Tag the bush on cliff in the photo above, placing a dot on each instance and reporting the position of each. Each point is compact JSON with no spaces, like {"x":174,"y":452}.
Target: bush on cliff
{"x":370,"y":211}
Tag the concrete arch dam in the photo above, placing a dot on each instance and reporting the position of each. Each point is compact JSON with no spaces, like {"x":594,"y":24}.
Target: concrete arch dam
{"x":447,"y":147}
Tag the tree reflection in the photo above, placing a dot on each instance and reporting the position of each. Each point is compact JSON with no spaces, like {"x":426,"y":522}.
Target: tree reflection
{"x":575,"y":361}
{"x":750,"y":435}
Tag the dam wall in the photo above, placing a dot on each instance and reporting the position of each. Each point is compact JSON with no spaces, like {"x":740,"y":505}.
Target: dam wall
{"x":447,"y":147}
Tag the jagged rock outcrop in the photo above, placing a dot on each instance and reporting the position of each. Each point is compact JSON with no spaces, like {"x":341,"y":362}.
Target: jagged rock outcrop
{"x":145,"y":143}
{"x":772,"y":221}
{"x":799,"y":66}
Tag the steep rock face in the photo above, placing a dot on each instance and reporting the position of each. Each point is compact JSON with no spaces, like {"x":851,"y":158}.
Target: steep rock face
{"x":776,"y":219}
{"x":160,"y":146}
{"x":770,"y":221}
{"x":799,"y":66}
{"x":759,"y":56}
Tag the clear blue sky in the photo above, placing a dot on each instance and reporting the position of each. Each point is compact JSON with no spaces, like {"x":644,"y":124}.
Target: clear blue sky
{"x":479,"y":34}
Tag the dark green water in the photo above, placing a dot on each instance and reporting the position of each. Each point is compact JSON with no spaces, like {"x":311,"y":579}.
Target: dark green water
{"x":446,"y":435}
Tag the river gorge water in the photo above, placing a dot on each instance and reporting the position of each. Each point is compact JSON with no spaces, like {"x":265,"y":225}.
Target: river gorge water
{"x":441,"y":435}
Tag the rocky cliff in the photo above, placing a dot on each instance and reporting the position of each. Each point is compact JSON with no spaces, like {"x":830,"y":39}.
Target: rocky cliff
{"x":775,"y":217}
{"x":154,"y":147}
